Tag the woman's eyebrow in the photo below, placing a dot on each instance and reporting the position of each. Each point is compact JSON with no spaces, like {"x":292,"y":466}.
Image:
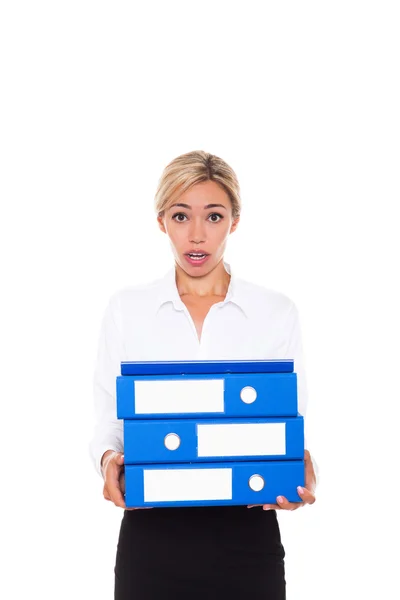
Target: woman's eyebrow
{"x":205,"y":208}
{"x":215,"y":206}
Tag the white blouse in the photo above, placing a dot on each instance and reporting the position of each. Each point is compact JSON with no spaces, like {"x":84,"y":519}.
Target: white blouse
{"x":150,"y":322}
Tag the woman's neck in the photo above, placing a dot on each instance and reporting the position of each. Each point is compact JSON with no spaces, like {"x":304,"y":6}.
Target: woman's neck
{"x":214,"y":283}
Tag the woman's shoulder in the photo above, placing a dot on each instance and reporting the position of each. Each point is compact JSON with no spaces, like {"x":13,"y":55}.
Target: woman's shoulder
{"x":135,"y":295}
{"x":263,"y":297}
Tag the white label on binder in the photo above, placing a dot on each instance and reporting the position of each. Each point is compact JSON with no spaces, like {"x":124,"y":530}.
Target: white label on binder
{"x":179,"y":396}
{"x":245,"y":439}
{"x":175,"y":485}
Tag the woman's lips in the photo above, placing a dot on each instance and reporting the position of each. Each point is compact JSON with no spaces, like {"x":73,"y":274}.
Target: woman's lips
{"x":196,"y":262}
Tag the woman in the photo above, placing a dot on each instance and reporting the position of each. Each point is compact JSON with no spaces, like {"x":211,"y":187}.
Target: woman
{"x":199,"y":310}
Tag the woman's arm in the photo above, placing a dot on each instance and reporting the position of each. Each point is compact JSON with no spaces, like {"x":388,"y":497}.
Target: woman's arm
{"x":108,"y":430}
{"x":294,"y":350}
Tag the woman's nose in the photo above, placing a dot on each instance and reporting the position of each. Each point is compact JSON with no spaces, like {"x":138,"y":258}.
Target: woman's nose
{"x":197,"y":233}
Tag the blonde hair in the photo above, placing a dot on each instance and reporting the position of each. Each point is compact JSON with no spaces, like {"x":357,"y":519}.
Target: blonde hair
{"x":192,"y":168}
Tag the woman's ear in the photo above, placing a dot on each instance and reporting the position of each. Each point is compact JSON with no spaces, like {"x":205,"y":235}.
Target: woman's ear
{"x":160,"y":221}
{"x":235,"y":223}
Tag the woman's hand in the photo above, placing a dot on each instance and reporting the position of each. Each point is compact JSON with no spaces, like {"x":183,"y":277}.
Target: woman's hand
{"x":112,"y":467}
{"x":307,"y":493}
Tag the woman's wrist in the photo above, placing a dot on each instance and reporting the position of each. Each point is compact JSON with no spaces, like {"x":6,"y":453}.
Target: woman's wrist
{"x":105,"y":459}
{"x":106,"y":453}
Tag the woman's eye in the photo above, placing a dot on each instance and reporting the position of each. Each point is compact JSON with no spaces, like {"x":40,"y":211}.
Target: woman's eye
{"x":179,"y":215}
{"x":216,"y":215}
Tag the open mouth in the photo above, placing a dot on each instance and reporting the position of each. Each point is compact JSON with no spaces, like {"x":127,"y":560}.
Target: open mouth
{"x":196,"y":255}
{"x":197,"y":259}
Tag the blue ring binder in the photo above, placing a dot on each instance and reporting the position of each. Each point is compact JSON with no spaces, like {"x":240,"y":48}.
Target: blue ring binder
{"x":204,"y":463}
{"x":190,"y":367}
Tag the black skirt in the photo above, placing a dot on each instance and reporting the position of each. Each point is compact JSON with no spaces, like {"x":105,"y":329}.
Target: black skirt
{"x":200,"y":552}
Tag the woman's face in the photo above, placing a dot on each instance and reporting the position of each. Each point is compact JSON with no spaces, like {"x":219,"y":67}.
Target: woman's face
{"x":198,"y":225}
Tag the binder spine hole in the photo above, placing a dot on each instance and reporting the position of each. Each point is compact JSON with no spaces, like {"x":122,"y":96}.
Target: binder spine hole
{"x":248,"y":394}
{"x":256,"y":483}
{"x":172,"y":441}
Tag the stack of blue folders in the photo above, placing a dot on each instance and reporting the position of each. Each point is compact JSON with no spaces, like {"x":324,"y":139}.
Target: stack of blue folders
{"x":210,"y":432}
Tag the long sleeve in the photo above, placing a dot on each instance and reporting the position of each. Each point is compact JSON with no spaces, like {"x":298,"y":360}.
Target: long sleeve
{"x":294,"y":350}
{"x":108,"y":430}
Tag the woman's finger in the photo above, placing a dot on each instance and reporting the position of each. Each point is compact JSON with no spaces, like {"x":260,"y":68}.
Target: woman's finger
{"x":286,"y":505}
{"x":306,"y":495}
{"x":115,"y":493}
{"x":118,"y":499}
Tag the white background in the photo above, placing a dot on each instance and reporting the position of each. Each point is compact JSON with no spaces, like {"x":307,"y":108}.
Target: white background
{"x":302,"y":100}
